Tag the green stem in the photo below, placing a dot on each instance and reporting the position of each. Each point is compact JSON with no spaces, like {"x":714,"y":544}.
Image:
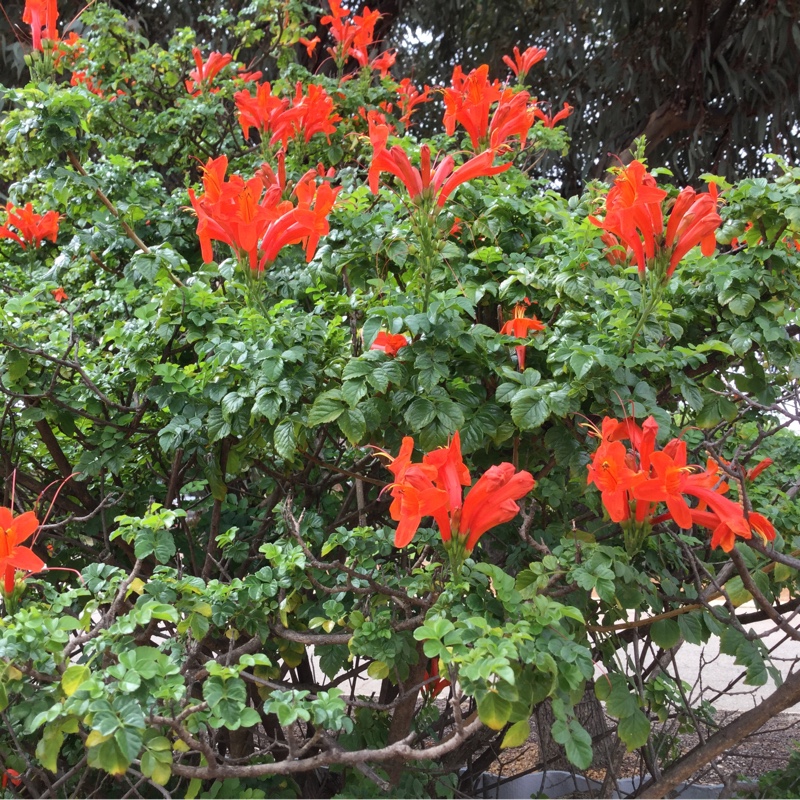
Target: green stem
{"x":424,"y":231}
{"x":654,"y":292}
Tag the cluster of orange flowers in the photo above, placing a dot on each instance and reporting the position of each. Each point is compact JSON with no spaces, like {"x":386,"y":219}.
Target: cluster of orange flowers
{"x":281,"y":120}
{"x":634,"y":480}
{"x":41,"y":15}
{"x":29,"y":228}
{"x":354,"y":37}
{"x":432,"y":488}
{"x":469,"y":102}
{"x":426,"y":185}
{"x":252,"y":216}
{"x":634,"y":221}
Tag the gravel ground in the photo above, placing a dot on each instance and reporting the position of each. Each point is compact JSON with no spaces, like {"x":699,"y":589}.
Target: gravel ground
{"x":765,"y":750}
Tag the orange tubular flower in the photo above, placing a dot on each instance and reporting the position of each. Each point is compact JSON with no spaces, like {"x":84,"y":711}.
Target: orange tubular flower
{"x":307,"y":114}
{"x":693,"y":220}
{"x":353,"y":39}
{"x":409,"y":97}
{"x":433,"y":488}
{"x":434,"y":688}
{"x":59,"y":295}
{"x":415,"y":495}
{"x":513,"y":116}
{"x":522,"y":62}
{"x":389,"y":343}
{"x":492,"y":501}
{"x":451,"y":474}
{"x":384,"y":62}
{"x":41,"y":15}
{"x":753,"y":473}
{"x":634,"y":219}
{"x":468,"y":103}
{"x":309,"y":44}
{"x":633,"y":212}
{"x":202,"y":76}
{"x":521,"y":327}
{"x":31,"y":228}
{"x":304,"y":224}
{"x":671,"y":481}
{"x":551,"y":120}
{"x":81,"y":78}
{"x":422,"y":184}
{"x":662,"y":476}
{"x":314,"y":110}
{"x":261,"y":111}
{"x":13,"y":556}
{"x":610,"y":473}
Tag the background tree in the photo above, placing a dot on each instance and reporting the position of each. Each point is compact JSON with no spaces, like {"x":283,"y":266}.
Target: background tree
{"x":712,"y":83}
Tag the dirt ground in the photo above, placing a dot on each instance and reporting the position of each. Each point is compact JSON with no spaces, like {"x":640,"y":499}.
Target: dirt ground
{"x":765,"y":750}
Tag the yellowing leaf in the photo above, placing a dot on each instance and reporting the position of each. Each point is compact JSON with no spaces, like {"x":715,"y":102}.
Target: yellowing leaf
{"x":494,"y":711}
{"x":137,"y":585}
{"x":73,"y":677}
{"x":378,"y":670}
{"x":181,"y":746}
{"x":517,"y":734}
{"x":108,"y":757}
{"x":95,"y":738}
{"x":161,"y":773}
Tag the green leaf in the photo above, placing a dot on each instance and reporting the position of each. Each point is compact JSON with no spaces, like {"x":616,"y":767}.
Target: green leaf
{"x":603,"y":687}
{"x":529,"y":409}
{"x":742,"y":305}
{"x":49,"y":746}
{"x":692,"y":628}
{"x":231,"y":403}
{"x":634,"y":730}
{"x":576,"y":740}
{"x":353,"y":391}
{"x":217,"y":426}
{"x":736,"y":591}
{"x":419,"y":414}
{"x":327,"y":408}
{"x":581,"y":363}
{"x":621,"y":703}
{"x":108,"y":757}
{"x":353,"y":425}
{"x":666,"y":633}
{"x":450,"y":415}
{"x":378,"y":670}
{"x":157,"y":768}
{"x":285,"y":439}
{"x":517,"y":734}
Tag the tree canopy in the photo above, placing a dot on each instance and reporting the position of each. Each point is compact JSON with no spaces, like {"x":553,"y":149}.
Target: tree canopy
{"x":712,"y":84}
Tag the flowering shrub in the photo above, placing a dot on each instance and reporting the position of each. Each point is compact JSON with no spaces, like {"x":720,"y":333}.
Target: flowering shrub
{"x":328,"y":408}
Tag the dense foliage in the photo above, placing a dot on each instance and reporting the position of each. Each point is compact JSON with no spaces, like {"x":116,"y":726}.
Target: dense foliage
{"x":292,"y":400}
